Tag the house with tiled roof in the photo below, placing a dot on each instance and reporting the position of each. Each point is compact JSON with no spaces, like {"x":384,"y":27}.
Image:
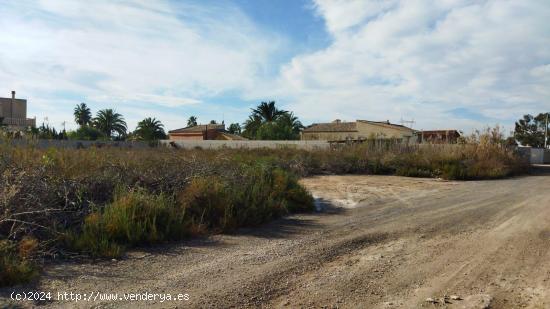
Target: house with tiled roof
{"x":203,"y":132}
{"x":339,"y":131}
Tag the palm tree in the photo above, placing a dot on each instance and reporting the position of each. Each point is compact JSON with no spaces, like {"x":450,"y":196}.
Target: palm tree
{"x":109,"y":122}
{"x":267,"y":111}
{"x":192,"y":121}
{"x":235,"y":128}
{"x":150,"y":129}
{"x":251,"y":126}
{"x":82,"y":114}
{"x":291,"y":121}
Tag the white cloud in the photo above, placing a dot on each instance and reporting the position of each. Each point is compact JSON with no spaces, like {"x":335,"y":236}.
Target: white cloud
{"x":440,"y":62}
{"x":123,"y":52}
{"x":421,"y":59}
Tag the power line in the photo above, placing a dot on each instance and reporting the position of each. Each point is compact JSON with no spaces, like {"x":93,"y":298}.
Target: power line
{"x":409,"y":122}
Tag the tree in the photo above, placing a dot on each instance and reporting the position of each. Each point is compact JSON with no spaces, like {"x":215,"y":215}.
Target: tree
{"x":192,"y":121}
{"x":150,"y":129}
{"x":86,"y":133}
{"x":213,"y":122}
{"x":267,"y":111}
{"x":251,"y":126}
{"x":47,"y":132}
{"x":266,"y":122}
{"x":82,"y":114}
{"x":291,"y":123}
{"x":109,"y":122}
{"x":235,"y":128}
{"x":530,"y":130}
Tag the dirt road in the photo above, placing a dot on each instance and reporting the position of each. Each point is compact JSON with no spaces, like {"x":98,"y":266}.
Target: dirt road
{"x":379,"y":242}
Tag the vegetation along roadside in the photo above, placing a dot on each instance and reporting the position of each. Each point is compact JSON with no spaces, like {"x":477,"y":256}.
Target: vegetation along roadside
{"x":99,"y":202}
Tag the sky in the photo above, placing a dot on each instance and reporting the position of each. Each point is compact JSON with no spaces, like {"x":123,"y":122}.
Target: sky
{"x":446,"y":64}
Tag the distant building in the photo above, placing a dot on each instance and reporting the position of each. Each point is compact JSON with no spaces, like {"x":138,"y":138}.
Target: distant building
{"x":339,"y":131}
{"x":439,"y":136}
{"x":203,"y":132}
{"x":13,"y":113}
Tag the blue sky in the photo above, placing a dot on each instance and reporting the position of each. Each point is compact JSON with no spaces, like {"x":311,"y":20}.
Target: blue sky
{"x":446,"y":64}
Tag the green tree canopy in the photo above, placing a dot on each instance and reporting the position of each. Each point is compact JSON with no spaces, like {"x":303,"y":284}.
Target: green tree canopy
{"x":82,"y":114}
{"x":192,"y":121}
{"x":267,"y":112}
{"x":267,"y":122}
{"x":235,"y":128}
{"x":109,"y":122}
{"x":87,"y":133}
{"x":150,"y":129}
{"x":530,"y":130}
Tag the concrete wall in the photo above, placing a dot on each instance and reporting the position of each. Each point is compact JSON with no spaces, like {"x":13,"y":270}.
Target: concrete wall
{"x":217,"y":144}
{"x":536,"y":155}
{"x":72,"y":144}
{"x":209,"y":144}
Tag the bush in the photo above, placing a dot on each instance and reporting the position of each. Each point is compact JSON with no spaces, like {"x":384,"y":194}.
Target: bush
{"x":87,"y":133}
{"x":206,"y":204}
{"x":60,"y":202}
{"x":260,"y":195}
{"x":15,"y":265}
{"x":134,"y":217}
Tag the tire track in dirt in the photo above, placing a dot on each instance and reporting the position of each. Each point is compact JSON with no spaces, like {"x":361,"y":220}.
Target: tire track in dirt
{"x":398,"y":242}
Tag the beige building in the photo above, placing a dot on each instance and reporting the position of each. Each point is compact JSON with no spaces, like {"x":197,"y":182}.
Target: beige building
{"x":338,"y":131}
{"x":203,"y":132}
{"x":13,"y":113}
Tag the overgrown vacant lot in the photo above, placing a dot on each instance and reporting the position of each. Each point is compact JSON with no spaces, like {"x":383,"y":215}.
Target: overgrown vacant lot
{"x":98,"y":202}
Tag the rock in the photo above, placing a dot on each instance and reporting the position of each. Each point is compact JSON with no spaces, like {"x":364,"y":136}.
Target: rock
{"x":476,"y":301}
{"x":456,"y":297}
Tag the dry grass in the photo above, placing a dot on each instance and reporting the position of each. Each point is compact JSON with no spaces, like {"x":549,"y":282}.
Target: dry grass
{"x":98,"y":202}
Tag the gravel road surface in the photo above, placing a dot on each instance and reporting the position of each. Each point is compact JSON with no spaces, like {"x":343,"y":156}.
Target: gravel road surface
{"x":377,"y":242}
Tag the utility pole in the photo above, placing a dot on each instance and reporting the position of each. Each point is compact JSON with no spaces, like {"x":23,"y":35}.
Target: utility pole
{"x":546,"y":132}
{"x":408,"y":122}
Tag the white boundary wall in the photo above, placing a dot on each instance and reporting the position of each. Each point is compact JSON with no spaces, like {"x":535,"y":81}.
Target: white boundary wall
{"x":536,"y":155}
{"x":215,"y":144}
{"x":208,"y":144}
{"x":74,"y":144}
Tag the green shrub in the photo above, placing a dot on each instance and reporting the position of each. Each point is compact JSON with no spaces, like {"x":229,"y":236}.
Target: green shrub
{"x":15,"y":265}
{"x":134,"y":217}
{"x":206,"y":204}
{"x":87,"y":133}
{"x":66,"y":198}
{"x":261,"y":194}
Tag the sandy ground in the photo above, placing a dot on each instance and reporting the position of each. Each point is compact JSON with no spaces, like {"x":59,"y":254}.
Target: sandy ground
{"x":378,"y":242}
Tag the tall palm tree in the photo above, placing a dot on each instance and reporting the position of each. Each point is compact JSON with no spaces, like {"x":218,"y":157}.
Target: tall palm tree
{"x":251,"y":126}
{"x":291,"y":121}
{"x":109,"y":122}
{"x":235,"y":128}
{"x":150,"y":129}
{"x":82,"y":114}
{"x":192,"y":121}
{"x":267,"y":111}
